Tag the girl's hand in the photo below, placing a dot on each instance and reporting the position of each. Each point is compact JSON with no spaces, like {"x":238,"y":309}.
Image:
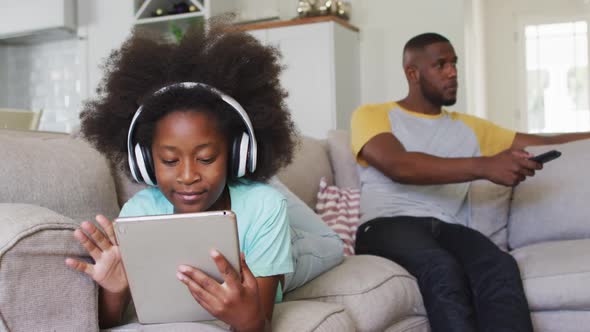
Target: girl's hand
{"x":108,"y":269}
{"x":235,"y":301}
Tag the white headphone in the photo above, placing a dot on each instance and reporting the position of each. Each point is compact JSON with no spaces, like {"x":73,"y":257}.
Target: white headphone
{"x":244,"y":147}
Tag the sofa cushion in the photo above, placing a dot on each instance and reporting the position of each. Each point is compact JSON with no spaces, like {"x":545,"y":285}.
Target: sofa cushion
{"x":556,"y":274}
{"x":489,"y":207}
{"x":57,"y":172}
{"x":309,"y":165}
{"x":342,"y":160}
{"x":37,"y":291}
{"x":561,"y":320}
{"x":375,"y":291}
{"x":293,"y":316}
{"x":553,"y":205}
{"x":314,"y":316}
{"x":411,"y":324}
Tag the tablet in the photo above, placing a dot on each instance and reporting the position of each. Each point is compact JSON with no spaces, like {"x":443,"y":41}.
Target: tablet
{"x":152,"y":247}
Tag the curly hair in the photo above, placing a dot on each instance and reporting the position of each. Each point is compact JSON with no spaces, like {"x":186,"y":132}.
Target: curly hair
{"x":220,"y":56}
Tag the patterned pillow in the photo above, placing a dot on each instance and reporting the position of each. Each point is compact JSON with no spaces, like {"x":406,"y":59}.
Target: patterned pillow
{"x":339,"y":209}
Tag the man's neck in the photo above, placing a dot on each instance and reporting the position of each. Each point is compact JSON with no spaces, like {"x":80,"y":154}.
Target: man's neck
{"x":420,"y":105}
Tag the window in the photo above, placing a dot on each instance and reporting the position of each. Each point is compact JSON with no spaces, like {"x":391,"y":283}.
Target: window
{"x":557,"y":77}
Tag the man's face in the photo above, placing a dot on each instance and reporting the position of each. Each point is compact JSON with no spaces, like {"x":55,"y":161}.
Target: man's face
{"x":438,"y":74}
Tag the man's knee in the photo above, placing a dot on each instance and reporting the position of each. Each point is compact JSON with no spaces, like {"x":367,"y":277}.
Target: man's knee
{"x":500,"y":263}
{"x":440,"y":265}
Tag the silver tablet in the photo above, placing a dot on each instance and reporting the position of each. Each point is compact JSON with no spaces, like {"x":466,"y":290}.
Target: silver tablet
{"x":152,"y":247}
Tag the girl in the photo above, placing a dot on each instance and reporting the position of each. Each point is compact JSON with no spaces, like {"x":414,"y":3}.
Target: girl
{"x":166,"y":114}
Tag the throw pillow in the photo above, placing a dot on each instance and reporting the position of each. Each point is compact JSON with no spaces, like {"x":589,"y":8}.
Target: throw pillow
{"x":339,"y":209}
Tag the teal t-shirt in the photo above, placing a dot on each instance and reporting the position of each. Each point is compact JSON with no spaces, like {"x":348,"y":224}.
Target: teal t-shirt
{"x":263,"y":226}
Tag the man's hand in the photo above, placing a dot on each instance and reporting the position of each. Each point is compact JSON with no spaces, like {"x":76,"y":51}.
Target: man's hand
{"x":235,"y":301}
{"x":509,"y":167}
{"x":108,"y":269}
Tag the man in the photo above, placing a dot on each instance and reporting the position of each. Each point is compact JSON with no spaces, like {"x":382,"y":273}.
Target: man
{"x":417,"y":161}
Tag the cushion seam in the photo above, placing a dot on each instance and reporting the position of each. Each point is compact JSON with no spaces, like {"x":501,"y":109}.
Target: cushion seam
{"x":555,"y":275}
{"x":328,"y":316}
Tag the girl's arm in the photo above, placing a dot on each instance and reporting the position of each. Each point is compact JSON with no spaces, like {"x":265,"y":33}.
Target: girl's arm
{"x":267,"y":290}
{"x":111,"y":307}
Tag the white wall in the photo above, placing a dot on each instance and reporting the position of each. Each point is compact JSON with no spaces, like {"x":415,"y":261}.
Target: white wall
{"x":103,"y":25}
{"x":385,"y":27}
{"x":501,"y":21}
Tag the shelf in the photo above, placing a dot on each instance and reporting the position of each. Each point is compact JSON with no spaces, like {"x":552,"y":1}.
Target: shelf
{"x":297,"y":21}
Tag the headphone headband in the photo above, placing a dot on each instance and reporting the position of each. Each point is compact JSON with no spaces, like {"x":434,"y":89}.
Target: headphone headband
{"x":253,"y":148}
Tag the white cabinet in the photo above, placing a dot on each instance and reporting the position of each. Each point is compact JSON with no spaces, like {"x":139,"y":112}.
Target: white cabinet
{"x":322,"y":70}
{"x":23,"y":19}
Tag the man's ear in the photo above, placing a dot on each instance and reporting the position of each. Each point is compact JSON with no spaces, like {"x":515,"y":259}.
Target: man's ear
{"x":412,"y":74}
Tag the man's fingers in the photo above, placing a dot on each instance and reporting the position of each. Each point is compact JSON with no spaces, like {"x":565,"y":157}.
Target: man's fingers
{"x":521,"y":153}
{"x":230,"y":276}
{"x":108,"y":228}
{"x":97,"y":236}
{"x":80,"y":266}
{"x":92,"y":249}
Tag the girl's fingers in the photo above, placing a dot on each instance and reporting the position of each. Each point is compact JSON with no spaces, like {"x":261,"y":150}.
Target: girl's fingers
{"x":92,"y":249}
{"x":230,"y":276}
{"x":80,"y":266}
{"x":97,"y":236}
{"x":249,"y":280}
{"x":200,"y":294}
{"x":108,"y":228}
{"x":201,"y":279}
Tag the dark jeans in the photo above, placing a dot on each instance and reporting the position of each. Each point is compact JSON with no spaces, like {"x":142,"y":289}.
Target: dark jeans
{"x":466,"y":281}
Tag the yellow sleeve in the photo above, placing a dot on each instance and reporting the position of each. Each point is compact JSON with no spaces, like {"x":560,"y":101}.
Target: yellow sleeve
{"x":492,"y":138}
{"x":367,"y":122}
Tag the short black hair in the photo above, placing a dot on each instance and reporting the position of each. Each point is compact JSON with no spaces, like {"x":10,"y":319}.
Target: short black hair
{"x":422,"y":40}
{"x":232,"y":61}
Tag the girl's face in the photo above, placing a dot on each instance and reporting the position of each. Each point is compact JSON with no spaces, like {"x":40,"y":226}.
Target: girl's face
{"x":190,"y":159}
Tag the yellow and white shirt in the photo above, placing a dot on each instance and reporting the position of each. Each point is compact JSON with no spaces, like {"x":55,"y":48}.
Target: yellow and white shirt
{"x":446,"y":135}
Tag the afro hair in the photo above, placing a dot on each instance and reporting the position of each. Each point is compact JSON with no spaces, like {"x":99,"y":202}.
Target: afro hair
{"x":229,"y":60}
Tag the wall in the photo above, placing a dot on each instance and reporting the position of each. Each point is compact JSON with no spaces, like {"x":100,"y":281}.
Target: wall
{"x":47,"y":77}
{"x":385,"y":27}
{"x":501,"y":21}
{"x":57,"y":76}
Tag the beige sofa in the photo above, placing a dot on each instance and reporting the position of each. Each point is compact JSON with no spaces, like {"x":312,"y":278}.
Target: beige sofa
{"x":50,"y":182}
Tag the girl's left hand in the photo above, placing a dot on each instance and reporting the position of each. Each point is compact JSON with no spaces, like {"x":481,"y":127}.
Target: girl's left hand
{"x":235,"y":301}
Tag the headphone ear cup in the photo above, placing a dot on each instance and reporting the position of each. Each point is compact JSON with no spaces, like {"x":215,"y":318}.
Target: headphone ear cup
{"x":239,"y":155}
{"x":142,"y":165}
{"x":149,"y":163}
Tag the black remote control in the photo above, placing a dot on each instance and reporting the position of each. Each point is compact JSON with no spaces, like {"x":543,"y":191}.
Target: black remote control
{"x":546,"y":157}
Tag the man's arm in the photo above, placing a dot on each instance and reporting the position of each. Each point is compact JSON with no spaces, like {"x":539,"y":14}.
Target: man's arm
{"x":387,"y":154}
{"x":523,"y":140}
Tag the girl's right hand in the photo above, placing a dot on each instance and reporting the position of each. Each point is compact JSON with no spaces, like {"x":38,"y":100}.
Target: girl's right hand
{"x":108,"y":270}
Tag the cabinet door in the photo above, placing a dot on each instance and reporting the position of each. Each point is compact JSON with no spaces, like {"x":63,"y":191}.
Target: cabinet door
{"x":308,"y":75}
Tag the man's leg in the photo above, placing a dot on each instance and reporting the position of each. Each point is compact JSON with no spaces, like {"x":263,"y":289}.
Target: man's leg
{"x":443,"y":284}
{"x":494,"y":276}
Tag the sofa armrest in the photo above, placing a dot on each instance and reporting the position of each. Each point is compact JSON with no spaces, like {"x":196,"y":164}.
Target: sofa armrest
{"x":37,"y":291}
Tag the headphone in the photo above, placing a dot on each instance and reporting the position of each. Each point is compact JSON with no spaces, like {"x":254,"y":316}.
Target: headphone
{"x":243,"y":151}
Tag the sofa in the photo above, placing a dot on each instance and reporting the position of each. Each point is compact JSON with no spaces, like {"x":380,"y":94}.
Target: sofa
{"x":51,"y":182}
